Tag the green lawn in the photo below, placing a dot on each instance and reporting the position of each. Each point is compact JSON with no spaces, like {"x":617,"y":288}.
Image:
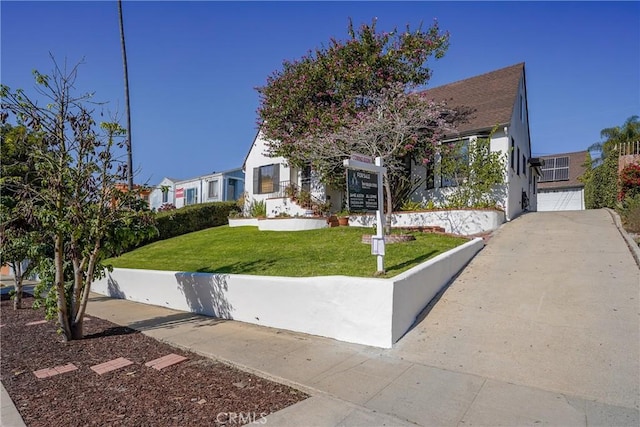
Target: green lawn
{"x":245,"y":250}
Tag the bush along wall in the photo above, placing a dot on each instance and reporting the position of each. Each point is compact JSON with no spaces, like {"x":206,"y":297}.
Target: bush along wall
{"x":192,"y":218}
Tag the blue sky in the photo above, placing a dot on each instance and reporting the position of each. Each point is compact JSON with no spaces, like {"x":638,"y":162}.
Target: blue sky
{"x":194,"y":66}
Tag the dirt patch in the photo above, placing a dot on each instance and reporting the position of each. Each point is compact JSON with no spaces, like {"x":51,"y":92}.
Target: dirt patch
{"x":196,"y":392}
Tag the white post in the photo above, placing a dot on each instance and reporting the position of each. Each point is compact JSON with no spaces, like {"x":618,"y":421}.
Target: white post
{"x":380,"y":216}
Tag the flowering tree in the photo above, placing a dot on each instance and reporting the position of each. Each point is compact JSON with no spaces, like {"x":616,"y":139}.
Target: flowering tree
{"x":394,"y":125}
{"x":327,"y":88}
{"x":71,"y":195}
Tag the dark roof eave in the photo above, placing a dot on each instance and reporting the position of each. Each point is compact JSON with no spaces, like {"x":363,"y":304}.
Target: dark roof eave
{"x":485,"y":131}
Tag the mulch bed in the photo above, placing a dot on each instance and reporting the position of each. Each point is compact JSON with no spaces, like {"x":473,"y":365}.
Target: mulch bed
{"x":196,"y":392}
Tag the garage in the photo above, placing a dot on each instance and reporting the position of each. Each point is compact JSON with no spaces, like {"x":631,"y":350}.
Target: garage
{"x":566,"y":199}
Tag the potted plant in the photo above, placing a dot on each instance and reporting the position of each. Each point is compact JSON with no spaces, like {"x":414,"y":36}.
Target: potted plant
{"x":343,"y":217}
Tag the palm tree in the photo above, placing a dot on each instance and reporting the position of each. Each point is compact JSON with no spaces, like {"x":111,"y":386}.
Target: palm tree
{"x":628,"y":132}
{"x":126,"y":100}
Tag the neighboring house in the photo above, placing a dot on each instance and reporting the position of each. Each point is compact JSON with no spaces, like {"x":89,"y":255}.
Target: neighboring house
{"x":144,"y":191}
{"x":559,"y":188}
{"x":163,"y":193}
{"x":628,"y":153}
{"x":215,"y":187}
{"x":499,"y":99}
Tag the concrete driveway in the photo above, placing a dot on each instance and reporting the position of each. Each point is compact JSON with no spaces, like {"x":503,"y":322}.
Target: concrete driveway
{"x":552,"y":302}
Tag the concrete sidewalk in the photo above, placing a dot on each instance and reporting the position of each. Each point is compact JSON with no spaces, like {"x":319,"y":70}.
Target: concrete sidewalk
{"x":542,"y":327}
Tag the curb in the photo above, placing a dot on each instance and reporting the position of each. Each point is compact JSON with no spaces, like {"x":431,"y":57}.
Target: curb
{"x":631,"y":244}
{"x":10,"y":416}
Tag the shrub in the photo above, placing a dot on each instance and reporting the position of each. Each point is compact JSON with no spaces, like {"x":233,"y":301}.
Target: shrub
{"x":258,"y":209}
{"x":410,"y":205}
{"x":630,"y":212}
{"x":167,"y":207}
{"x":192,"y":218}
{"x":629,"y":181}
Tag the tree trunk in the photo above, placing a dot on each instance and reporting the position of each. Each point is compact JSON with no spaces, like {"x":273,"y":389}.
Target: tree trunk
{"x":63,"y":317}
{"x":76,"y":330}
{"x":17,"y":278}
{"x":126,"y":100}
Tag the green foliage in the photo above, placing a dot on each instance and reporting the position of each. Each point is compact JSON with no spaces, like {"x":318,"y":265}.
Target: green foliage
{"x":246,"y":250}
{"x":192,"y":218}
{"x":410,"y":205}
{"x":71,"y":198}
{"x":19,"y":239}
{"x":258,"y":209}
{"x":601,"y":184}
{"x":478,"y":174}
{"x":601,"y":177}
{"x":629,"y":211}
{"x":587,"y":179}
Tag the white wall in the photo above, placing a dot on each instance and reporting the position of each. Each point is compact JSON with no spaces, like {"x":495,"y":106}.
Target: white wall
{"x":415,"y":288}
{"x":519,"y":131}
{"x":367,"y":311}
{"x":257,"y":157}
{"x":155,"y":197}
{"x":188,"y":184}
{"x":464,"y":222}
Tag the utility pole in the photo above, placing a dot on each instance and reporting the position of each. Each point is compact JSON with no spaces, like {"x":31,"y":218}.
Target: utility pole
{"x":126,"y":100}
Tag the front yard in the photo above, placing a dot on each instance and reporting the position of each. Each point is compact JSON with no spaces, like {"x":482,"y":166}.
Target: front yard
{"x":245,"y":250}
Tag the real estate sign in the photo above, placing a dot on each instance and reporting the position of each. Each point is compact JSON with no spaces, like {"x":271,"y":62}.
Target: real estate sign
{"x":362,"y":190}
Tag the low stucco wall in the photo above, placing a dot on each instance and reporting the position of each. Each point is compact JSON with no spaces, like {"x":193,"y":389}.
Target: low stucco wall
{"x":243,"y":222}
{"x":462,"y":222}
{"x":291,"y":224}
{"x":367,"y":311}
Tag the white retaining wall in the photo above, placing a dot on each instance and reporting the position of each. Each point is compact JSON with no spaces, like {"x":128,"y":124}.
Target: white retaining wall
{"x":462,"y":222}
{"x":368,"y":311}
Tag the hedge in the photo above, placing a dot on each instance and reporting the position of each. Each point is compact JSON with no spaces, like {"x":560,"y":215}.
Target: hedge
{"x":192,"y":218}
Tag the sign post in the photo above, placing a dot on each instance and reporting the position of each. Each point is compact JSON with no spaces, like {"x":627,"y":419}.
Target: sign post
{"x":364,"y":188}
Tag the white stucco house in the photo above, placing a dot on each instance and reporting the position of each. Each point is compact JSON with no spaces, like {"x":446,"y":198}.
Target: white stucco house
{"x":559,"y":188}
{"x":163,"y":193}
{"x":498,"y":98}
{"x":215,"y":187}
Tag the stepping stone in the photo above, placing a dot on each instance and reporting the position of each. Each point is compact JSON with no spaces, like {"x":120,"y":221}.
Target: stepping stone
{"x":49,"y":372}
{"x":111,"y":365}
{"x":39,"y":322}
{"x":164,"y":361}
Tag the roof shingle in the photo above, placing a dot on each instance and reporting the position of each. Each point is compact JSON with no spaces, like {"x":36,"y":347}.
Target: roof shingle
{"x":492,"y":96}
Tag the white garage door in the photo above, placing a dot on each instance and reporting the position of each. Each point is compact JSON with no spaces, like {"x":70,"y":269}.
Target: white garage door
{"x":561,"y":200}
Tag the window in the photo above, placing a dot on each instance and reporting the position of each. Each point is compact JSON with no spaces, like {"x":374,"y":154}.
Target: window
{"x":192,"y":196}
{"x":524,"y":165}
{"x":555,"y":169}
{"x":513,"y":148}
{"x":231,"y":189}
{"x":165,"y":195}
{"x":266,"y":179}
{"x":454,"y":165}
{"x":213,"y":189}
{"x":518,"y":159}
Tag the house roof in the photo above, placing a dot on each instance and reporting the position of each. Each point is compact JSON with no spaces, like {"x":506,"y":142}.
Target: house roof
{"x":492,"y":96}
{"x":576,"y":169}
